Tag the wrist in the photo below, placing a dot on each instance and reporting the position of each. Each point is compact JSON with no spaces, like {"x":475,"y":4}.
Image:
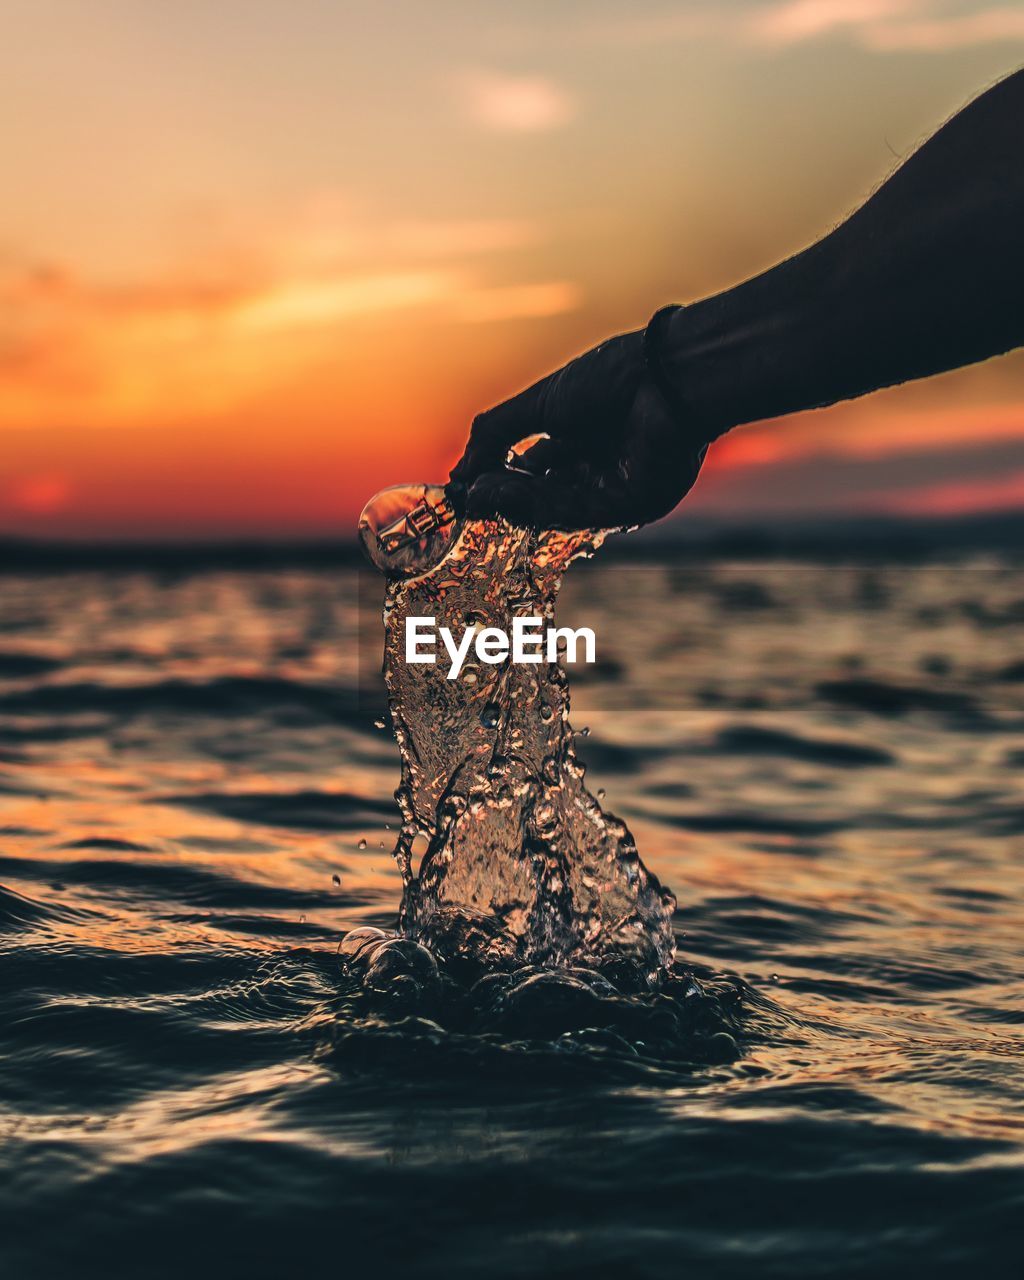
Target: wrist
{"x":655,"y":340}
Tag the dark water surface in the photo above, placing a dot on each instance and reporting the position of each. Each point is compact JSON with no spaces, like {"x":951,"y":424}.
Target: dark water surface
{"x":825,"y":765}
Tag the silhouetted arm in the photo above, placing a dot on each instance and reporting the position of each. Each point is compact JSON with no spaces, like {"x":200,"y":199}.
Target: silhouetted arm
{"x":926,"y":276}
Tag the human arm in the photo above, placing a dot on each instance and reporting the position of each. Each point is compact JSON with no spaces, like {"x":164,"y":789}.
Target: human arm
{"x":928,"y":275}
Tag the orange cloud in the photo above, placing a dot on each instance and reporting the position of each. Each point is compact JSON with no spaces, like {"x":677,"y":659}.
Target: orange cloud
{"x":960,"y":497}
{"x":872,"y":428}
{"x":301,"y":303}
{"x":515,"y":103}
{"x":798,"y":20}
{"x":517,"y":302}
{"x":954,"y":31}
{"x":878,"y":26}
{"x":194,"y":344}
{"x":886,"y":25}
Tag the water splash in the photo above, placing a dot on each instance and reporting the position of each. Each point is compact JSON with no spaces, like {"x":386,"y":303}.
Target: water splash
{"x":522,"y":866}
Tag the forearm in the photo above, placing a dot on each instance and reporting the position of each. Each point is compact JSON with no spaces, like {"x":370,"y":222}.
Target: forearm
{"x":927,"y":276}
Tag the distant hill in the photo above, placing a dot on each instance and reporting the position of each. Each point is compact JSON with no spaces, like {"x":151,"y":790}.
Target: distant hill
{"x":875,"y":538}
{"x":845,"y":537}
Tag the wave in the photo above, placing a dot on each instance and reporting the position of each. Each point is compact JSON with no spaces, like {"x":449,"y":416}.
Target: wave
{"x":754,"y":740}
{"x":226,"y":695}
{"x":303,"y":810}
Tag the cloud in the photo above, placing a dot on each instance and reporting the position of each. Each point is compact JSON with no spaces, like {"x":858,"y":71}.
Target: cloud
{"x":959,"y":497}
{"x":959,"y":477}
{"x":886,"y":25}
{"x":327,"y":234}
{"x":517,"y":302}
{"x":990,"y":26}
{"x":311,"y":303}
{"x":515,"y":103}
{"x":798,"y":20}
{"x":889,"y":422}
{"x":197,"y":341}
{"x":879,"y":26}
{"x":303,"y":303}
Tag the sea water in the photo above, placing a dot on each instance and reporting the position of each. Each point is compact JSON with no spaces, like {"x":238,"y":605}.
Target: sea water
{"x":823,"y":758}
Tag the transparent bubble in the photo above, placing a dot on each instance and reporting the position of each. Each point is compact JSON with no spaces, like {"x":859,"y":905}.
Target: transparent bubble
{"x":357,"y":942}
{"x":545,"y":816}
{"x":361,"y":844}
{"x":496,"y":766}
{"x":407,"y":529}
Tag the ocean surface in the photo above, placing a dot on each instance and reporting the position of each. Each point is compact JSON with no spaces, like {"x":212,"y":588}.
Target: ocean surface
{"x":823,"y":761}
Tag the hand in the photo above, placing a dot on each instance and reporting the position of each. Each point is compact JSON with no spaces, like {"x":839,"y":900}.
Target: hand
{"x":613,"y":453}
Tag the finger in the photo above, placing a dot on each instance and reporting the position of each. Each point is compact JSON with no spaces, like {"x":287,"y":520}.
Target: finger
{"x":570,"y":497}
{"x":556,"y":500}
{"x":495,"y":432}
{"x":545,"y":455}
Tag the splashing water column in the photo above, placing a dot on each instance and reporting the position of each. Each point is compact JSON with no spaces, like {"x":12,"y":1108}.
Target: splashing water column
{"x":522,"y":866}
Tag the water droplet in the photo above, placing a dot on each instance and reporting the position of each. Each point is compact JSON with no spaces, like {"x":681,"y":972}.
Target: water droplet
{"x":496,"y":766}
{"x":379,"y":724}
{"x":360,"y":943}
{"x":302,"y":918}
{"x":362,"y":844}
{"x":545,"y":816}
{"x":381,"y":845}
{"x":454,"y":804}
{"x":336,"y":879}
{"x":601,"y":793}
{"x":545,"y":712}
{"x":585,"y":731}
{"x":490,"y":717}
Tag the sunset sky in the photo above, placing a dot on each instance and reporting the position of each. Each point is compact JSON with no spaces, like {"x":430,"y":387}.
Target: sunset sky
{"x":259,"y":259}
